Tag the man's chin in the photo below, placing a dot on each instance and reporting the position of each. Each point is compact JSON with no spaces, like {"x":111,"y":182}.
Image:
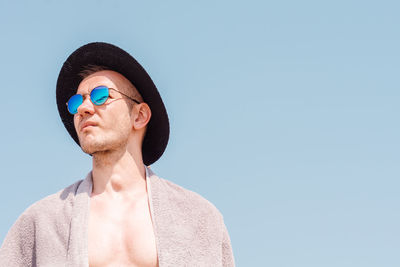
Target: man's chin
{"x":92,"y":149}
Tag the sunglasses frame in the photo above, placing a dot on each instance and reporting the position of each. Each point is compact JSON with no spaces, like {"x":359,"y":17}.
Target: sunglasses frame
{"x":134,"y":100}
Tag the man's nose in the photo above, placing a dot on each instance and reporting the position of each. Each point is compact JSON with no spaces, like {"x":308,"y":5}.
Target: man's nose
{"x":87,"y":106}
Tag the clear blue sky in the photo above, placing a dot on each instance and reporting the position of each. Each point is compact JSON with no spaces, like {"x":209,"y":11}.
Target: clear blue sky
{"x":284,"y":114}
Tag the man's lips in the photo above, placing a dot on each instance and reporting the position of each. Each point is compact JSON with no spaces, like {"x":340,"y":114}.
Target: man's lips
{"x":88,"y":123}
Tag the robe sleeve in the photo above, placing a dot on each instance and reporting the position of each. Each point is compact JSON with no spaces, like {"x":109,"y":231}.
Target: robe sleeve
{"x":18,"y":248}
{"x":227,"y":253}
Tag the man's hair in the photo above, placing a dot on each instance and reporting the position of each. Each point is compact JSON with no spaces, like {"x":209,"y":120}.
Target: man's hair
{"x":90,"y":69}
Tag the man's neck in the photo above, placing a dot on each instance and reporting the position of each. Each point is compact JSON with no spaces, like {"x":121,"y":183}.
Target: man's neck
{"x":118,"y":175}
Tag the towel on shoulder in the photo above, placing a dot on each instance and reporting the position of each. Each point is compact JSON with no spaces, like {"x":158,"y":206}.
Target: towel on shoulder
{"x":189,"y":230}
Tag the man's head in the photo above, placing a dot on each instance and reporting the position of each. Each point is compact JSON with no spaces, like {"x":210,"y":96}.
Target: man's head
{"x":119,"y":119}
{"x":119,"y":123}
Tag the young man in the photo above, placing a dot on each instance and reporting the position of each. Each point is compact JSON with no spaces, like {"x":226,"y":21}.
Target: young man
{"x":121,"y":214}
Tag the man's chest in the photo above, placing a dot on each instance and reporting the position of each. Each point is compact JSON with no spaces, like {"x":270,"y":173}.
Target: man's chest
{"x":121,"y":236}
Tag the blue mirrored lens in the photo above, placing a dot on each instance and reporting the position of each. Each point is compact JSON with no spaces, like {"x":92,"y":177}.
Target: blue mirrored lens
{"x":74,"y":102}
{"x":99,"y":95}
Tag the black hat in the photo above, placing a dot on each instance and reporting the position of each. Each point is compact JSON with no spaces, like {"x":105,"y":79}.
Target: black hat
{"x":116,"y":59}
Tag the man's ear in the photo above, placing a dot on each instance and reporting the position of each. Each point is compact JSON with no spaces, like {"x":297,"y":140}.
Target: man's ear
{"x":141,"y":114}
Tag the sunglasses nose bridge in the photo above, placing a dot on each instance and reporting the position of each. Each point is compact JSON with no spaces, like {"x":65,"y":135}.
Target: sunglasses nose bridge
{"x":86,"y":105}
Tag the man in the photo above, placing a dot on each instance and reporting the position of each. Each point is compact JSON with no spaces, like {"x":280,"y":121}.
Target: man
{"x":121,"y":214}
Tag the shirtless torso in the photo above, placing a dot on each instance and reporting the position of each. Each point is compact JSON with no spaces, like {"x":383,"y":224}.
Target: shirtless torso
{"x":121,"y":233}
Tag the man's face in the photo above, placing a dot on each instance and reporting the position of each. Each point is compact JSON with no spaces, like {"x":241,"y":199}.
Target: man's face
{"x":108,"y":126}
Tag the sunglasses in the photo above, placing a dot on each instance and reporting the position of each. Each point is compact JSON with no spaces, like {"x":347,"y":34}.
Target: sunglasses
{"x":98,"y":96}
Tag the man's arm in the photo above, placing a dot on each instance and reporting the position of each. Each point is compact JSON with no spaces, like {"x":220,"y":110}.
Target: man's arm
{"x":18,"y":246}
{"x":227,"y":253}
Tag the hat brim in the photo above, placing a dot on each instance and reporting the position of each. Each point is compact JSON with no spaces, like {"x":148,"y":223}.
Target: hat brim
{"x":116,"y":59}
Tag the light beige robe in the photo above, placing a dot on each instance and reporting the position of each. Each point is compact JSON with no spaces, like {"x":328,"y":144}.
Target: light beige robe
{"x":189,"y":230}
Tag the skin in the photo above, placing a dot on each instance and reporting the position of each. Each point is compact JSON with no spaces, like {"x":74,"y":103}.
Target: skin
{"x":120,"y":225}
